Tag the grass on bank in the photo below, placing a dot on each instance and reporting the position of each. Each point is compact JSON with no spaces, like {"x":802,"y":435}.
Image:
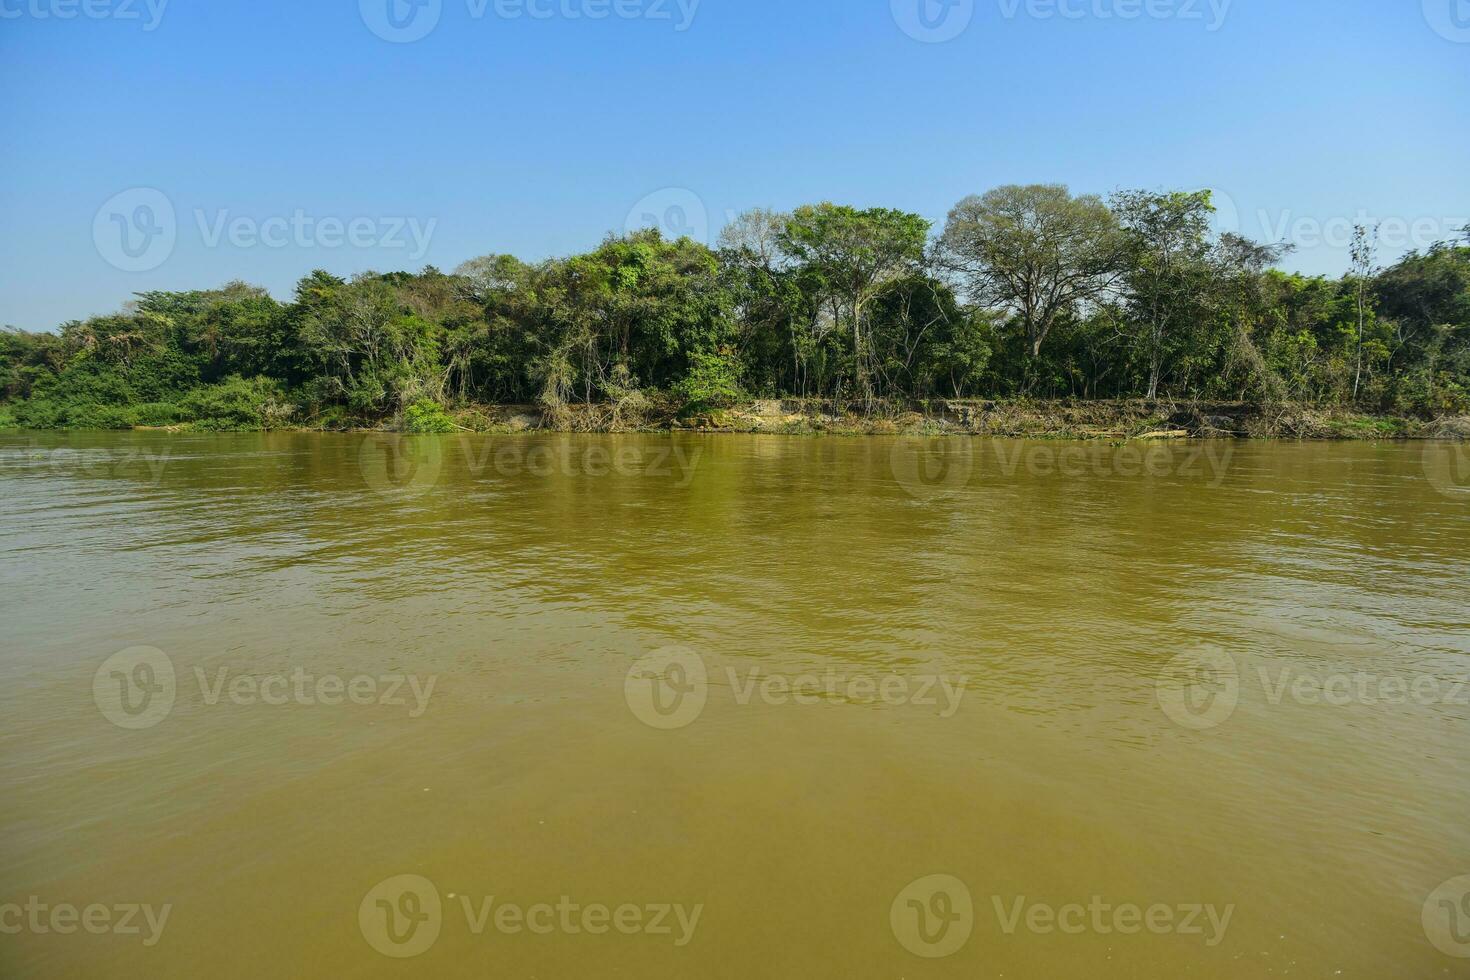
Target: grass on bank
{"x":258,"y":404}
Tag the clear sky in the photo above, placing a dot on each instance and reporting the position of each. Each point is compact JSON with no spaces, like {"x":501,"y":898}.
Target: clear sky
{"x":287,"y":135}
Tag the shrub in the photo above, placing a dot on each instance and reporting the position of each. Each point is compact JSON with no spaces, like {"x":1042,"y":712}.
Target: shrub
{"x":426,"y":416}
{"x":98,"y":417}
{"x":48,"y":413}
{"x":39,"y":413}
{"x":159,"y":413}
{"x":332,"y":418}
{"x":238,"y":404}
{"x":712,"y":382}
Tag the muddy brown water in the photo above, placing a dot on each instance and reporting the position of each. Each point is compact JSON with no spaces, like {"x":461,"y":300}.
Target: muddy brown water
{"x":732,"y":706}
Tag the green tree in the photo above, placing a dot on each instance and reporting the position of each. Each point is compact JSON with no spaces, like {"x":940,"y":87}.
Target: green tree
{"x":1035,"y":251}
{"x":849,"y":255}
{"x":1167,"y":269}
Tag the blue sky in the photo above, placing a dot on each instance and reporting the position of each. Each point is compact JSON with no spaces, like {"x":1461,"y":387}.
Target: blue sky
{"x":287,"y":136}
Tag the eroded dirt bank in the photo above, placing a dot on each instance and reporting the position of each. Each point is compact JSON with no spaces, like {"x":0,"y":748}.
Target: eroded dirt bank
{"x":1037,"y":419}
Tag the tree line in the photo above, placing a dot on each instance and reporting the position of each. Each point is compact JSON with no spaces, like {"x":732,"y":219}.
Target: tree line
{"x":1025,"y":292}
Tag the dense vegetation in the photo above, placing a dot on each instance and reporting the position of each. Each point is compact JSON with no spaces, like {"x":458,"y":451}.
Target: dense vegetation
{"x":1026,"y":292}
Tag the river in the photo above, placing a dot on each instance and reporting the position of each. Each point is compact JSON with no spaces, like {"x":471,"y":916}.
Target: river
{"x":732,"y":706}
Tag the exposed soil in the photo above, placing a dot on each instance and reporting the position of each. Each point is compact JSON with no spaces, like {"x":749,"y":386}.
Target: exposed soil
{"x":1031,"y":419}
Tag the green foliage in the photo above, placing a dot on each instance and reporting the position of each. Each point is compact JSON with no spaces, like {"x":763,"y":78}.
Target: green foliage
{"x":159,"y":414}
{"x":1035,"y":252}
{"x":712,"y":381}
{"x":1030,"y":291}
{"x":426,"y":417}
{"x":238,"y":404}
{"x":83,"y":416}
{"x":846,"y":257}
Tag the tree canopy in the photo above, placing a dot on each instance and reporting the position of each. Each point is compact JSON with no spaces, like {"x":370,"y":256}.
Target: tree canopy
{"x":1026,"y":291}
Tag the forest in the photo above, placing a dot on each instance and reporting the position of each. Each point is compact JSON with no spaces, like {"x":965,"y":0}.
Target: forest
{"x":1026,"y":292}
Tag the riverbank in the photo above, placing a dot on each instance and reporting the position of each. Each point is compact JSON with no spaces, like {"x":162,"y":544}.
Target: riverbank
{"x":1064,"y":419}
{"x":1122,"y":419}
